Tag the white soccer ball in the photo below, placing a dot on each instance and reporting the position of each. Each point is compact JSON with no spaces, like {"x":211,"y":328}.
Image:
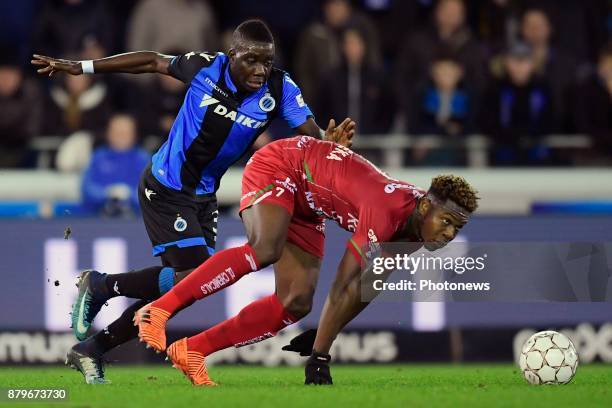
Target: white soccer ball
{"x":548,"y":357}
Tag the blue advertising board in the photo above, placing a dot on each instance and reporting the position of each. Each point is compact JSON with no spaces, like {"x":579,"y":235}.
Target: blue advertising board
{"x":39,"y":266}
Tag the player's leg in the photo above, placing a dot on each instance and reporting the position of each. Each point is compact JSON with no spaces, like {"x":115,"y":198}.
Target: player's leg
{"x":95,"y":289}
{"x":87,"y":356}
{"x":173,"y":225}
{"x":177,"y":261}
{"x":296,"y":274}
{"x":150,"y":283}
{"x":266,"y":226}
{"x":122,"y":329}
{"x":183,"y":260}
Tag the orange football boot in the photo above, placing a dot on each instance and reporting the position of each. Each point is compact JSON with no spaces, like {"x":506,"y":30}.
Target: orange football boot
{"x":190,"y":362}
{"x":151,"y":322}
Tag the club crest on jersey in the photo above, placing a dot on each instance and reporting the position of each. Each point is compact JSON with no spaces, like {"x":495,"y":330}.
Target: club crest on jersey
{"x":180,"y":224}
{"x":267,"y":103}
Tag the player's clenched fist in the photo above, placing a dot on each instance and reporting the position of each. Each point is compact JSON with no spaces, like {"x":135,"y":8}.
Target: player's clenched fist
{"x":317,"y":369}
{"x":50,"y":65}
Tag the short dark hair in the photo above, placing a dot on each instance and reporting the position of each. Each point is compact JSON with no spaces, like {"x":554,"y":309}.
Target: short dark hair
{"x":455,"y":188}
{"x":253,"y":30}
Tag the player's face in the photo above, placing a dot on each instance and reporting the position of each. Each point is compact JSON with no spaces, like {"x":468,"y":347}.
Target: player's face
{"x":439,"y":228}
{"x":251,"y":64}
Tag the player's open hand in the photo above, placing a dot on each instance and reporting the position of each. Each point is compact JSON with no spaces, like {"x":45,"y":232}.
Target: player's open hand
{"x":341,"y":134}
{"x":302,"y":343}
{"x":50,"y":66}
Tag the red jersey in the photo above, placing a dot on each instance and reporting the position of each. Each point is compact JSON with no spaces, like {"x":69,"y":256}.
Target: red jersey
{"x":329,"y":180}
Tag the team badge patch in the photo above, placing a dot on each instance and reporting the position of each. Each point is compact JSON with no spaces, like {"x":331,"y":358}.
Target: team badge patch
{"x":267,"y":103}
{"x":180,"y":224}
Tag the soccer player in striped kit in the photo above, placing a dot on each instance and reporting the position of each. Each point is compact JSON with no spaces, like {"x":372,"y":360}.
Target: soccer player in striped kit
{"x":230,"y":101}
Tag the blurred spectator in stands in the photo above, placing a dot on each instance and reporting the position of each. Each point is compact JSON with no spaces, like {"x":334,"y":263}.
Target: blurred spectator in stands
{"x":449,"y":35}
{"x":110,"y":182}
{"x":319,"y":48}
{"x":498,"y":23}
{"x":64,"y":25}
{"x":77,"y":102}
{"x":165,"y":25}
{"x":442,"y":106}
{"x":20,"y":114}
{"x":356,"y":89}
{"x":517,"y":111}
{"x":552,"y":63}
{"x":579,"y":25}
{"x":593,"y":106}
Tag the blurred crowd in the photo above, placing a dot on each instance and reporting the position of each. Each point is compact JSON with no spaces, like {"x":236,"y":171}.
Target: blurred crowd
{"x":515,"y":71}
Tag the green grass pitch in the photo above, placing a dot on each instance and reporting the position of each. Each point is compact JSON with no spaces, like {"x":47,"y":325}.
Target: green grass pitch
{"x":417,"y":385}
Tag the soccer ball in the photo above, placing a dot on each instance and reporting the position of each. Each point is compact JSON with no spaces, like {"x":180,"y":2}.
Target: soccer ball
{"x":548,"y":357}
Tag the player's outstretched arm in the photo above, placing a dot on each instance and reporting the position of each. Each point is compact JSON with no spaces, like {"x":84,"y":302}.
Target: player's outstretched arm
{"x":342,"y":305}
{"x":138,"y":62}
{"x":343,"y":302}
{"x":341,"y":134}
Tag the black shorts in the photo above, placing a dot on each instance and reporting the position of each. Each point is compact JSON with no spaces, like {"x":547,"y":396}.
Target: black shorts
{"x":177,"y":222}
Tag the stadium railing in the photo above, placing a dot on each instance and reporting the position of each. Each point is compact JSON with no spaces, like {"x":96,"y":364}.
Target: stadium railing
{"x":46,"y":192}
{"x":393,"y":147}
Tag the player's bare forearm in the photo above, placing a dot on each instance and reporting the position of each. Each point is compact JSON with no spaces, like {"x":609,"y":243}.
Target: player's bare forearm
{"x":134,"y":63}
{"x":342,"y":305}
{"x":138,"y":62}
{"x":310,"y":128}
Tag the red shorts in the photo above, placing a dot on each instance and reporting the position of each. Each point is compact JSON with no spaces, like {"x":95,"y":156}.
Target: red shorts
{"x":267,"y":178}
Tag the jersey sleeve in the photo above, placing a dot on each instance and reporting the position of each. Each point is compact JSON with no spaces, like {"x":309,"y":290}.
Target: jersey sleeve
{"x":293,"y":108}
{"x":185,"y":67}
{"x":373,"y":229}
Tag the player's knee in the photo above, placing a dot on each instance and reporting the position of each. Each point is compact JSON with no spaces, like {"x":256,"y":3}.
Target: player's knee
{"x":298,"y":305}
{"x":266,"y":253}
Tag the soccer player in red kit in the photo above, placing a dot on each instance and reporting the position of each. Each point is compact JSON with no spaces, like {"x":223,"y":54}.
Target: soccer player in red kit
{"x":289,"y":188}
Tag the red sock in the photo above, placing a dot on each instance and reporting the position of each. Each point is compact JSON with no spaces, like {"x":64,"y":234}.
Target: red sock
{"x":258,"y":321}
{"x":219,"y":271}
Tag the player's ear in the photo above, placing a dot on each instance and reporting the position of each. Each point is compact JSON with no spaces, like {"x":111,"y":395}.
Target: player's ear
{"x":423,"y":206}
{"x":232,"y":53}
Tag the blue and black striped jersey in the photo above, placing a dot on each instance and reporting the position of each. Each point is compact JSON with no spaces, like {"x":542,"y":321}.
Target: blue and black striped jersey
{"x":216,"y":125}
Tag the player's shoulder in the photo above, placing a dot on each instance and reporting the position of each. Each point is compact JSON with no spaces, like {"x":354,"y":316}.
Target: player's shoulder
{"x":276,"y":77}
{"x":404,"y":188}
{"x":281,"y":77}
{"x":202,"y":58}
{"x":391,"y":196}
